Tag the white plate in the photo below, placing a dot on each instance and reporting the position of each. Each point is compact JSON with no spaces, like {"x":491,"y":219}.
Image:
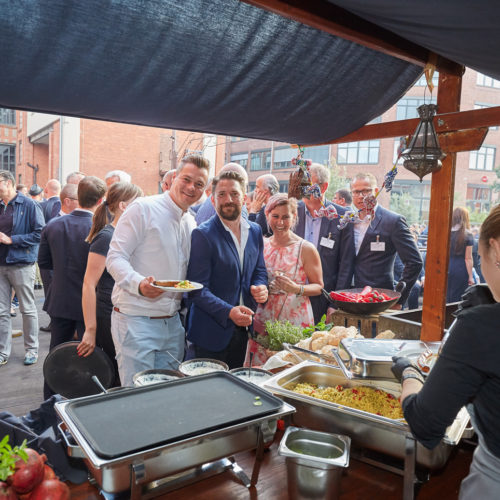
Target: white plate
{"x":197,"y":286}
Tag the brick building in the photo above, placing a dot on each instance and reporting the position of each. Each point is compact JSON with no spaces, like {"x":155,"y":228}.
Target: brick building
{"x":56,"y":145}
{"x":474,"y":171}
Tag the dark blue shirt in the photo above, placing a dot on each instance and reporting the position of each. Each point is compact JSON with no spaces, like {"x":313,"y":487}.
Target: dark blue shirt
{"x":6,"y":222}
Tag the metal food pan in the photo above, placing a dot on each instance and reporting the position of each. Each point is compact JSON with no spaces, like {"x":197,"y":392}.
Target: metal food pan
{"x":366,"y":430}
{"x":372,"y":358}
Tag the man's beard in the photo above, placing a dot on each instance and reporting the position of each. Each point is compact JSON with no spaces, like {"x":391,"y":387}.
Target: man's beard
{"x":229,"y":216}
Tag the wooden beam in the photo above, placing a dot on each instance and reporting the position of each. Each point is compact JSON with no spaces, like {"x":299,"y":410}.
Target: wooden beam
{"x":445,"y":122}
{"x":325,"y":16}
{"x":462,"y":140}
{"x":438,"y":239}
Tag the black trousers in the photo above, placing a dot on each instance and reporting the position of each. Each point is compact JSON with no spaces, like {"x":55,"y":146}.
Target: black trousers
{"x":62,"y":330}
{"x":104,"y":340}
{"x":233,"y":354}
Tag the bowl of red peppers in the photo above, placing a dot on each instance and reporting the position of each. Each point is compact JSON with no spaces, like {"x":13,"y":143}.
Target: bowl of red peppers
{"x":362,"y":301}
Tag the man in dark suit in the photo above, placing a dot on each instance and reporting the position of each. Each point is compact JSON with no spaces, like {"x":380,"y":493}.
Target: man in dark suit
{"x":265,"y":186}
{"x":227,"y":259}
{"x":52,"y":204}
{"x":335,"y":246}
{"x":377,"y":240}
{"x":64,"y":250}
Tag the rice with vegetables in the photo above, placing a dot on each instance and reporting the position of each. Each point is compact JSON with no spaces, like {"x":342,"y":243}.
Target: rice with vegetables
{"x":363,"y":398}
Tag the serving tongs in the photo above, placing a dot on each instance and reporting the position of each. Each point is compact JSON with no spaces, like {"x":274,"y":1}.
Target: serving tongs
{"x":291,"y":348}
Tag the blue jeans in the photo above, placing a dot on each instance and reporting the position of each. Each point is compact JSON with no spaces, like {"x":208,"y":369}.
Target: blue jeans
{"x":143,"y":343}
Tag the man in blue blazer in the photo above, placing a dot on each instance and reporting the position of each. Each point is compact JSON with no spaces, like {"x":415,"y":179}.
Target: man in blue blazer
{"x":335,"y":246}
{"x":64,"y":250}
{"x":377,"y":241}
{"x":52,"y":204}
{"x":227,"y":259}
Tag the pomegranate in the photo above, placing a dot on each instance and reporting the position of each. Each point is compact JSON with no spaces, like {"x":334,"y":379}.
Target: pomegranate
{"x":50,"y":489}
{"x":27,"y":474}
{"x":6,"y":492}
{"x":48,"y":473}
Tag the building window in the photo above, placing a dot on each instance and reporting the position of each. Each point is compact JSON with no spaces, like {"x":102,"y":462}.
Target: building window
{"x":407,"y":107}
{"x":237,"y":139}
{"x":283,"y":157}
{"x":251,"y":186}
{"x":422,"y":81}
{"x":260,"y":160}
{"x":8,"y":157}
{"x":283,"y":186}
{"x":363,"y":152}
{"x":480,"y":105}
{"x":413,"y":199}
{"x":486,"y":81}
{"x":484,"y":159}
{"x":7,"y":116}
{"x":478,"y":198}
{"x":20,"y":152}
{"x":240,"y":158}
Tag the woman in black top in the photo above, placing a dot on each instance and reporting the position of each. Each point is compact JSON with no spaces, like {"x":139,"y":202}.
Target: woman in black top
{"x":461,"y":261}
{"x":467,"y":373}
{"x":98,"y":283}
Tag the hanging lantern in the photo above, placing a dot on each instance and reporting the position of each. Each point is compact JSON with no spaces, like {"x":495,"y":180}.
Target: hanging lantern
{"x":423,"y":155}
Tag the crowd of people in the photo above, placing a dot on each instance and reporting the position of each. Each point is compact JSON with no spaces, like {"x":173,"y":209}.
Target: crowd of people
{"x":100,"y":245}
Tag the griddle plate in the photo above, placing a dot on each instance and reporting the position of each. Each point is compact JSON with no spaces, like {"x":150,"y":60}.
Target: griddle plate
{"x":124,"y":422}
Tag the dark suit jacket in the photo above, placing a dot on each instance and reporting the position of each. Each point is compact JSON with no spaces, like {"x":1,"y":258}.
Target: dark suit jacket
{"x":260,"y":219}
{"x":214,"y":262}
{"x":51,"y":208}
{"x":63,"y":249}
{"x":375,"y":268}
{"x":336,"y":262}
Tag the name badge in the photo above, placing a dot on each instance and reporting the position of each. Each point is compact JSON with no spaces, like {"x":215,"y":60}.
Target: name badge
{"x":327,"y":242}
{"x":377,"y":246}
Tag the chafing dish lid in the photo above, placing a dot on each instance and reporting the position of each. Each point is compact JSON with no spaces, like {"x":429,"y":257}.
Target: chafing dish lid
{"x":138,"y":419}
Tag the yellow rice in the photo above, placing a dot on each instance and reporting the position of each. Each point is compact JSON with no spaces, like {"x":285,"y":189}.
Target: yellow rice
{"x":363,"y":398}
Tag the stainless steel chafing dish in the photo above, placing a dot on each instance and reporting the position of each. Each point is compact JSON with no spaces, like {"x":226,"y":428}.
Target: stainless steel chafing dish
{"x":372,"y":358}
{"x":159,"y":437}
{"x":366,"y":430}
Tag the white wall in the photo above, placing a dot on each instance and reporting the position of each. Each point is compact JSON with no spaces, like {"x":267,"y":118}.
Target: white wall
{"x":70,"y":131}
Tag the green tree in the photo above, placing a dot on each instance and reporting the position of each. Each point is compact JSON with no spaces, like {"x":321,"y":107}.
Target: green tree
{"x":338,"y":179}
{"x":404,"y":204}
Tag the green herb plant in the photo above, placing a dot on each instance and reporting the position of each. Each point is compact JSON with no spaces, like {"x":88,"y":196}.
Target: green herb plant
{"x":9,"y":456}
{"x":283,"y":331}
{"x":321,"y":326}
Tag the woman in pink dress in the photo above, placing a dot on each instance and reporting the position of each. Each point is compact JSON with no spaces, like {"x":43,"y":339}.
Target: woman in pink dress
{"x":294,"y":270}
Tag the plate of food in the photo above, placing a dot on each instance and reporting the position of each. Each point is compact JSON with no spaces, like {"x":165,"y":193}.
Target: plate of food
{"x":180,"y":286}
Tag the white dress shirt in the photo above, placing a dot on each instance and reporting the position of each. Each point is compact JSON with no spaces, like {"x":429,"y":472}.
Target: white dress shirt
{"x":360,"y":229}
{"x":152,"y":238}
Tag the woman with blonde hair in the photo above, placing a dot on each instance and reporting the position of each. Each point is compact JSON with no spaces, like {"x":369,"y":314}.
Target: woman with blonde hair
{"x":461,"y":261}
{"x":98,"y":283}
{"x":294,"y":271}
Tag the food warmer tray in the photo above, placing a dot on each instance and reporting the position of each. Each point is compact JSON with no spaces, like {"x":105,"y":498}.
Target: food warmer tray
{"x":129,"y":439}
{"x":372,"y":358}
{"x":366,"y":430}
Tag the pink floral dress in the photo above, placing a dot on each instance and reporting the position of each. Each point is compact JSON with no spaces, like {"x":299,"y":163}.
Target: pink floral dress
{"x":280,"y":305}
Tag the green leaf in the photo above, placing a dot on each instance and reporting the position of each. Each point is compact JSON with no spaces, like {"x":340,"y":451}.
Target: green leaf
{"x":9,"y":457}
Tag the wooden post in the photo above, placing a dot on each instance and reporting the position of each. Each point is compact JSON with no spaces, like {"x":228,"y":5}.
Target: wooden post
{"x":441,"y":207}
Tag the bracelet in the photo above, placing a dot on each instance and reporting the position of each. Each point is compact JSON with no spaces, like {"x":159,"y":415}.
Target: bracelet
{"x":301,"y":291}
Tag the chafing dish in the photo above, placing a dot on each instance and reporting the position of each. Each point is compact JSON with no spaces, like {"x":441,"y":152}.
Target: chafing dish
{"x":366,"y":430}
{"x":372,"y":358}
{"x":147,"y":436}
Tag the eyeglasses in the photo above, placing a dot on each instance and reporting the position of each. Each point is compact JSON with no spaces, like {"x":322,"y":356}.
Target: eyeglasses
{"x":363,"y":192}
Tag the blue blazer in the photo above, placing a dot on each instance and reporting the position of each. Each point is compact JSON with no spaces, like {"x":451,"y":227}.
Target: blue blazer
{"x":376,"y":268}
{"x":63,"y":249}
{"x":51,"y":208}
{"x":214,"y":262}
{"x":336,"y":262}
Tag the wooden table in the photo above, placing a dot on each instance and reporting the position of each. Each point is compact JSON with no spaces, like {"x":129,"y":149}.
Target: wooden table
{"x":359,"y":482}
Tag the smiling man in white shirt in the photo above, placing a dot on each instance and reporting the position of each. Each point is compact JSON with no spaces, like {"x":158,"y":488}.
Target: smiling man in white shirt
{"x":152,"y":241}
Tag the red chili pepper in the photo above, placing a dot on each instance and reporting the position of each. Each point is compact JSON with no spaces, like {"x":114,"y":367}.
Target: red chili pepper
{"x":366,"y":290}
{"x":354,"y":391}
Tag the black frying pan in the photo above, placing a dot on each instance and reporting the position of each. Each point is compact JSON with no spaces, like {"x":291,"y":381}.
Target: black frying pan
{"x":70,"y":375}
{"x":365,"y":308}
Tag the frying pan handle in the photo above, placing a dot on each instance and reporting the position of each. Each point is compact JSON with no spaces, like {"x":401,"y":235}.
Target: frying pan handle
{"x":73,"y":450}
{"x":327,"y":296}
{"x":401,"y":286}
